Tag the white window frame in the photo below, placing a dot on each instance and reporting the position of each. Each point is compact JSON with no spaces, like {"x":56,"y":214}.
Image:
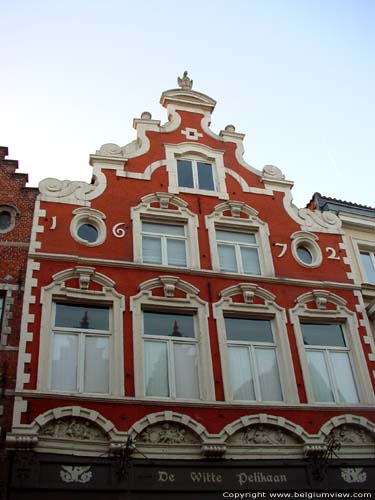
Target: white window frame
{"x":326,"y":350}
{"x":359,"y":246}
{"x":164,"y":237}
{"x":237,"y":248}
{"x":57,"y":291}
{"x":304,"y":239}
{"x":196,"y":152}
{"x":82,"y":334}
{"x":266,"y":309}
{"x":170,"y":351}
{"x":163,"y":214}
{"x":302,"y":313}
{"x":194,"y":167}
{"x":145,"y":300}
{"x":92,"y":217}
{"x":249,"y":223}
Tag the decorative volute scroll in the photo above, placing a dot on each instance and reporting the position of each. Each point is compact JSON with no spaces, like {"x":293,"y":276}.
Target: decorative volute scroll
{"x":270,"y":172}
{"x":72,"y":192}
{"x":171,"y":433}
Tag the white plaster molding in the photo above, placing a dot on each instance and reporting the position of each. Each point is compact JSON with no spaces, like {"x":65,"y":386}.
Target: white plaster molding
{"x":72,"y":192}
{"x":191,"y":302}
{"x":58,"y":289}
{"x":264,"y":418}
{"x":267,"y":308}
{"x":166,"y":416}
{"x":349,"y":323}
{"x":250,"y":223}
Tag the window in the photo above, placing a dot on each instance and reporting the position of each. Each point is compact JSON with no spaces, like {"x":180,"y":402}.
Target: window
{"x":8,"y":215}
{"x":305,"y":249}
{"x":368,"y":263}
{"x":329,"y":363}
{"x":239,"y":241}
{"x":195,"y":168}
{"x":164,"y":244}
{"x":330,"y":350}
{"x":195,"y":174}
{"x":165,"y":232}
{"x":253,"y":363}
{"x":81,"y":348}
{"x":2,"y":302}
{"x":88,"y":226}
{"x":170,"y":355}
{"x":238,"y":252}
{"x":256,"y":361}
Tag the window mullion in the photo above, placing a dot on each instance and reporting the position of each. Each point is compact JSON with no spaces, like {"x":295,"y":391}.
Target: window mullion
{"x":237,"y":248}
{"x":164,"y":250}
{"x":195,"y":174}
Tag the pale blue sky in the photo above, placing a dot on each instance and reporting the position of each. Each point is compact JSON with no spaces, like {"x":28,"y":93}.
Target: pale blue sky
{"x":297,"y":77}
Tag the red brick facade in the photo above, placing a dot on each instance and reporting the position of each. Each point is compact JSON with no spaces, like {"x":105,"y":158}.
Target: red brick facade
{"x":16,"y":214}
{"x":140,"y":184}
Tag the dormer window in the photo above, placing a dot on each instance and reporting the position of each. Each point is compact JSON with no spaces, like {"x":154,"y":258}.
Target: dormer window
{"x":195,"y":174}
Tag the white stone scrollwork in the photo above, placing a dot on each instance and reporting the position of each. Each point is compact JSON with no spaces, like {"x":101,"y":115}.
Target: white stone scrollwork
{"x":77,"y":474}
{"x":111,"y":149}
{"x":313,"y":219}
{"x":167,"y":433}
{"x":272,"y":172}
{"x":60,"y":189}
{"x":118,"y":231}
{"x":354,"y":475}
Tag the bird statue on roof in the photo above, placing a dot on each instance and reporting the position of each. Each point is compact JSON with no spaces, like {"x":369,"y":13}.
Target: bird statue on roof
{"x":185,"y":83}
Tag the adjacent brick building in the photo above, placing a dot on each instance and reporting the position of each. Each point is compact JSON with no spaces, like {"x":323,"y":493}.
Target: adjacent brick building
{"x":16,"y":215}
{"x":187,"y":329}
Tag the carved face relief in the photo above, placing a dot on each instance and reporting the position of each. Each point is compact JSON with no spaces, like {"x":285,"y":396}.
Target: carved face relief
{"x":73,"y":428}
{"x":167,"y":433}
{"x":268,"y":435}
{"x":352,"y":435}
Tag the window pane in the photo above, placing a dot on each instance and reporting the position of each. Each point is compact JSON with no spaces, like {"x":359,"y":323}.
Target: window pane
{"x":268,"y":373}
{"x":88,"y":232}
{"x":304,"y":255}
{"x":156,"y":369}
{"x":151,"y":250}
{"x":241,"y":374}
{"x":82,"y":317}
{"x":235,"y":237}
{"x":1,"y":307}
{"x":168,"y":324}
{"x":185,"y":173}
{"x":250,"y":260}
{"x":64,"y":362}
{"x":344,"y":377}
{"x":248,"y":330}
{"x":96,"y":377}
{"x":319,"y":377}
{"x":5,"y":220}
{"x":176,"y":252}
{"x":368,"y":264}
{"x":205,"y":178}
{"x":323,"y":334}
{"x":168,"y":229}
{"x":186,"y":370}
{"x":227,"y":258}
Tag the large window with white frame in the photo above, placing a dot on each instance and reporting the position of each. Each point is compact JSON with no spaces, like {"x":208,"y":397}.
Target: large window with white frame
{"x":171,"y":367}
{"x":253,"y":364}
{"x":368,"y":264}
{"x":164,"y":244}
{"x":81,"y":348}
{"x":238,"y":251}
{"x":328,"y":358}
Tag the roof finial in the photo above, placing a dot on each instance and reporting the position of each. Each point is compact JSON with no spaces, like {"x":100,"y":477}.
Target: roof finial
{"x":185,"y":83}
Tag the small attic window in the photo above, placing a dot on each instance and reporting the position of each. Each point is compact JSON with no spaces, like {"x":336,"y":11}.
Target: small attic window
{"x":195,"y":174}
{"x":7,"y":218}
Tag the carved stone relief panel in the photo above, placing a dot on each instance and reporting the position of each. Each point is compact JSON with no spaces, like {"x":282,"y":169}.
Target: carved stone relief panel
{"x":265,"y":435}
{"x":347,"y":434}
{"x":167,"y":433}
{"x":73,"y":428}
